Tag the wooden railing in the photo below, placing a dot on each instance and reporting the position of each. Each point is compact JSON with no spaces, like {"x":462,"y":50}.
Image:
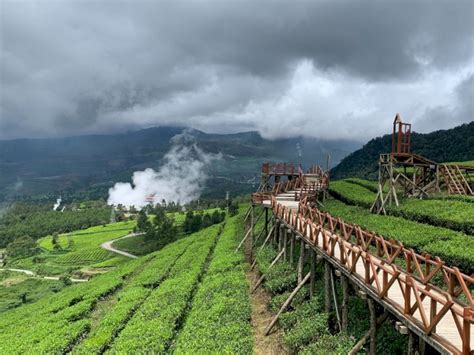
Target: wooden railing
{"x":387,"y":263}
{"x":279,"y":169}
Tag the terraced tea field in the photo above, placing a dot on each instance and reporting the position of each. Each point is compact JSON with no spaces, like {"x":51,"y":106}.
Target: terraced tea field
{"x":147,"y":304}
{"x":453,"y":214}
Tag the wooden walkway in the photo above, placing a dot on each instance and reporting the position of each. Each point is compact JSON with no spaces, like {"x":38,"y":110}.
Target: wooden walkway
{"x":437,"y":315}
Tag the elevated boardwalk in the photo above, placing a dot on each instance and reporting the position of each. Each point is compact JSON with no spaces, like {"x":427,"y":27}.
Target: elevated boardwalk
{"x":432,"y":300}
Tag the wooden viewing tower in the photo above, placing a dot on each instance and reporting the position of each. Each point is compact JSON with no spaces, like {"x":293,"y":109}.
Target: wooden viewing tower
{"x":413,"y":174}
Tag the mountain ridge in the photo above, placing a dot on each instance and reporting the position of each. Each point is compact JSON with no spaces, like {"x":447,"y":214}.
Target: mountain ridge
{"x":86,"y":166}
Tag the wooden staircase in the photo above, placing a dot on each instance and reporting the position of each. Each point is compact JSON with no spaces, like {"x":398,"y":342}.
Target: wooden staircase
{"x":455,"y":180}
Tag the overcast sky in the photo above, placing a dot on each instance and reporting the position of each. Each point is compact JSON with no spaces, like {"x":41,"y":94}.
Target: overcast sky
{"x":335,"y":69}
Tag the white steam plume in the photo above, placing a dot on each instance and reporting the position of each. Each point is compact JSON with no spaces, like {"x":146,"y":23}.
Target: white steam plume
{"x":57,"y":204}
{"x":181,"y":178}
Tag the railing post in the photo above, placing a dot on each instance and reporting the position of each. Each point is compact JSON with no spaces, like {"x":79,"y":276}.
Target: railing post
{"x":407,"y":295}
{"x":292,"y":247}
{"x":433,"y":305}
{"x":466,"y":330}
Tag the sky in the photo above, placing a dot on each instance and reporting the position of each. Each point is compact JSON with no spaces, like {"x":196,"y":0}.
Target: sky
{"x":327,"y":69}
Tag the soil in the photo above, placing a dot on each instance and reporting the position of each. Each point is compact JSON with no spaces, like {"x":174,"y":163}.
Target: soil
{"x":261,"y":316}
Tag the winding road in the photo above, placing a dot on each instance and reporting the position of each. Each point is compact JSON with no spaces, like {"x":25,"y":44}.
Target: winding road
{"x":108,"y":245}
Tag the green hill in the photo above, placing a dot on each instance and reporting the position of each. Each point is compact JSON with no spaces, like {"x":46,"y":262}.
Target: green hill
{"x":456,"y":144}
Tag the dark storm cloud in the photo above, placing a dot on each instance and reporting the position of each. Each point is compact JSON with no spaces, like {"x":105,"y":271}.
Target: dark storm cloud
{"x":314,"y":68}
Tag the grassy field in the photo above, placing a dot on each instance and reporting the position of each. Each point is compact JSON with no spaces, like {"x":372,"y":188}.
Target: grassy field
{"x":80,"y":249}
{"x":148,"y":304}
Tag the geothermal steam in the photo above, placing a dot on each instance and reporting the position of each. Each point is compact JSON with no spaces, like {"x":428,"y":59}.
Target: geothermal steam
{"x":181,"y":178}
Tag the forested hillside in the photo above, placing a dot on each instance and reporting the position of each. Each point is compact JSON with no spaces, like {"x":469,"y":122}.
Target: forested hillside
{"x":85,"y":167}
{"x":456,"y":144}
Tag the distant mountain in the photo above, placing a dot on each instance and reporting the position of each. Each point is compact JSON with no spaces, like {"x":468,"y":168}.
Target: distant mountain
{"x":455,"y":144}
{"x":86,"y":166}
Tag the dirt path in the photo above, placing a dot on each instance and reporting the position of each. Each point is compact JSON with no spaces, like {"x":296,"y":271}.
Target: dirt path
{"x":108,"y":245}
{"x":31,"y":273}
{"x":261,"y":316}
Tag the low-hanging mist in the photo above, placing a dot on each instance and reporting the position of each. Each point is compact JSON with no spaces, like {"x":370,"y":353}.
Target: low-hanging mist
{"x":181,"y":178}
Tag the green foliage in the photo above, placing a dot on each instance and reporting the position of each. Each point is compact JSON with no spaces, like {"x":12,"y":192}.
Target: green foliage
{"x":22,"y":247}
{"x":300,"y":311}
{"x":161,"y":312}
{"x":219,"y":320}
{"x":233,"y":208}
{"x":368,"y":184}
{"x":40,"y":220}
{"x":143,"y":224}
{"x":278,"y":299}
{"x":353,"y":194}
{"x":25,"y":291}
{"x":280,"y":278}
{"x":455,"y":248}
{"x":306,"y":330}
{"x":149,"y":296}
{"x":161,"y":231}
{"x":51,"y":324}
{"x":196,"y":221}
{"x":130,"y":298}
{"x":329,"y":344}
{"x":457,"y":215}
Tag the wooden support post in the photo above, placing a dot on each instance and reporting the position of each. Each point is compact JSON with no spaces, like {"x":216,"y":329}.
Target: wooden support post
{"x":373,"y":325}
{"x":262,"y":246}
{"x":411,"y":343}
{"x":252,"y":221}
{"x":243,"y":240}
{"x":287,"y":303}
{"x":334,"y":296}
{"x":345,"y":303}
{"x":292,"y":247}
{"x":276,"y":224}
{"x":366,"y":336}
{"x":301,"y":261}
{"x":260,"y":280}
{"x":266,"y":221}
{"x":312,"y":282}
{"x":421,"y":346}
{"x":285,"y":244}
{"x":281,"y":235}
{"x":258,"y":236}
{"x":327,"y":287}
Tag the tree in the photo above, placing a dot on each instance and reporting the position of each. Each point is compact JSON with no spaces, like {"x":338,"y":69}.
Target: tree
{"x":55,"y":241}
{"x":162,"y":231}
{"x":23,"y":297}
{"x":206,"y":221}
{"x":233,"y":208}
{"x":143,"y":224}
{"x":217,"y":217}
{"x":70,"y":243}
{"x":188,"y":221}
{"x":22,"y":247}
